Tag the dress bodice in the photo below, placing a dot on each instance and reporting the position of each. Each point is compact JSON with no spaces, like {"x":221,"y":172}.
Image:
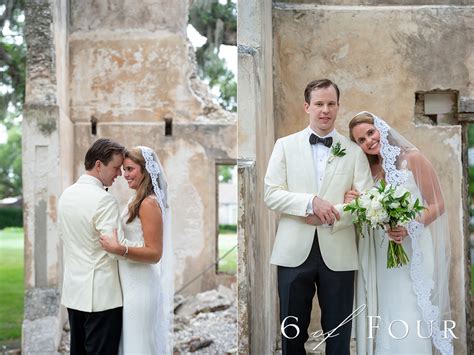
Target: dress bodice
{"x":133,"y":230}
{"x":410,"y":185}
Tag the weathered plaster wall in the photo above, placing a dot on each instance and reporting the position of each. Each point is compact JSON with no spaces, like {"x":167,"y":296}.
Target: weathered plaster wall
{"x":154,"y":15}
{"x":258,"y":319}
{"x":412,"y":51}
{"x":131,"y":67}
{"x":380,"y":56}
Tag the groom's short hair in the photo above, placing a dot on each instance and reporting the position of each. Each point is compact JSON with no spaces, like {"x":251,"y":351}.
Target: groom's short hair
{"x":104,"y":150}
{"x":319,"y":84}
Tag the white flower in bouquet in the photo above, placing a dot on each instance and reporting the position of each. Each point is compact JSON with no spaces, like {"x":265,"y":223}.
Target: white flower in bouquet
{"x":395,"y":204}
{"x":400,"y":192}
{"x":365,"y":200}
{"x":377,"y":216}
{"x":376,"y":204}
{"x":412,"y":203}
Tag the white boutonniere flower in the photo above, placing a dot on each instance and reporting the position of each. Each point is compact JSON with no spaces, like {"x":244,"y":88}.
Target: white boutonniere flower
{"x":336,"y":151}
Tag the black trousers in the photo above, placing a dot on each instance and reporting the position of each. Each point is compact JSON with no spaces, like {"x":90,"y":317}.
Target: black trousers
{"x":95,"y":332}
{"x":296,"y":288}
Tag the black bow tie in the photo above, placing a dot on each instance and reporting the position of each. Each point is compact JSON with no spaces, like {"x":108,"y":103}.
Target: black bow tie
{"x":314,"y":139}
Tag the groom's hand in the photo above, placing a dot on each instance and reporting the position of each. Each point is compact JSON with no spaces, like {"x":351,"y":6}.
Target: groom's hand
{"x":111,"y":244}
{"x":313,"y":220}
{"x":326,"y":212}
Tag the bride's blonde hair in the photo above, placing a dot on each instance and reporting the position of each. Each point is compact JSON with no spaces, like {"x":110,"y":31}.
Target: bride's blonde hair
{"x":145,"y":188}
{"x":357,"y":120}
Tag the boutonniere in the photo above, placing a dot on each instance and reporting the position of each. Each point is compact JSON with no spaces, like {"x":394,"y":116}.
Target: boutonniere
{"x":336,"y":151}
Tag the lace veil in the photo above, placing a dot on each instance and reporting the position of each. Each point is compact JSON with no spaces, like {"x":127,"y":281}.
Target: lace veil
{"x":429,"y":264}
{"x":163,"y":329}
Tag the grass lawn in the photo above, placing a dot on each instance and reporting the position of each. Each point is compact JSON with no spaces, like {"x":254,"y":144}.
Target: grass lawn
{"x":11,"y":284}
{"x":229,"y":263}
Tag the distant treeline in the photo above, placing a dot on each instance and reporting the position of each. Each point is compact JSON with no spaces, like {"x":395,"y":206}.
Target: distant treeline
{"x":227,"y":228}
{"x":11,"y":217}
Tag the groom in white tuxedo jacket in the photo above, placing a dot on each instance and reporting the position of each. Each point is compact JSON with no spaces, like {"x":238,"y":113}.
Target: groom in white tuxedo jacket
{"x":307,"y":176}
{"x":91,"y":287}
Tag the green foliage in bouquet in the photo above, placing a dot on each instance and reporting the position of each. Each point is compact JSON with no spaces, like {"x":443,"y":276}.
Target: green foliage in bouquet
{"x":386,"y":206}
{"x":400,"y":209}
{"x":358,"y":214}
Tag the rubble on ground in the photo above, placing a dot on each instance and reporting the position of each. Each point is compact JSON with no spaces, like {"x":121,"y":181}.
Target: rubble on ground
{"x":205,"y":323}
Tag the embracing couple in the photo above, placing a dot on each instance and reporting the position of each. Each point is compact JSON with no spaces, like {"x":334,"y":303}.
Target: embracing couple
{"x":310,"y":177}
{"x":118,"y":276}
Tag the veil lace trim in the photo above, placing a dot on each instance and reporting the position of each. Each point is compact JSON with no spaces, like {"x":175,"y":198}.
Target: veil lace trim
{"x":389,"y":154}
{"x":154,"y":170}
{"x":422,"y":287}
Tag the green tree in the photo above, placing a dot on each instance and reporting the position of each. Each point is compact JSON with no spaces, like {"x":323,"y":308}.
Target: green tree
{"x":12,"y":93}
{"x":225,"y":173}
{"x":470,"y":141}
{"x":218,"y":23}
{"x":10,"y":164}
{"x":12,"y":60}
{"x":470,"y":135}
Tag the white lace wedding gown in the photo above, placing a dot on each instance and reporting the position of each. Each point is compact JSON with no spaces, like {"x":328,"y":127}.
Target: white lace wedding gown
{"x":396,"y":300}
{"x":139,"y":283}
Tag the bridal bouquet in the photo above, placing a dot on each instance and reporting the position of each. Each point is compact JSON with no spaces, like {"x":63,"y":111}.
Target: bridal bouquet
{"x":382,"y":206}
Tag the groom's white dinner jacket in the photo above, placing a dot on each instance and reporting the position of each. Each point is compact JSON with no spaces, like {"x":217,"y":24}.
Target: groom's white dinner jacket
{"x":290,"y":183}
{"x":91,"y":280}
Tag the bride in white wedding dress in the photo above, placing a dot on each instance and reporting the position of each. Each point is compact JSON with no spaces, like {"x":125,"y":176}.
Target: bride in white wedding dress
{"x":146,"y":273}
{"x":407,"y":305}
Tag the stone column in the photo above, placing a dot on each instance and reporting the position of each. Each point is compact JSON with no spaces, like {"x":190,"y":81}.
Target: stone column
{"x":258,"y":318}
{"x":246,"y":235}
{"x":46,"y":169}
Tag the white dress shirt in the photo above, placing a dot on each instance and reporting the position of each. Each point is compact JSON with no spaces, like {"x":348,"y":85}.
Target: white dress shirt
{"x":320,"y":158}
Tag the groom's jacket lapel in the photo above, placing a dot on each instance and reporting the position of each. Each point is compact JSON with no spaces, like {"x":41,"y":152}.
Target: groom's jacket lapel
{"x":307,"y":162}
{"x":331,"y":167}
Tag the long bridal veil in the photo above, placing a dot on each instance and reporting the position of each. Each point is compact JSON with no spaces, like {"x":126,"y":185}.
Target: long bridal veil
{"x":163,"y":327}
